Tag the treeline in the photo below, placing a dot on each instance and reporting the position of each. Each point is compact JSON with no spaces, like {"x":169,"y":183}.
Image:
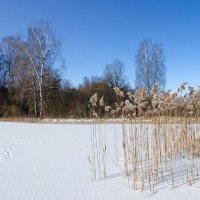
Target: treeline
{"x":31,"y":84}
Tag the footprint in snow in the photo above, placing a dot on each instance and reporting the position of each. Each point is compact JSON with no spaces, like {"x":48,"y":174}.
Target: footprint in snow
{"x":21,"y":141}
{"x":6,"y":151}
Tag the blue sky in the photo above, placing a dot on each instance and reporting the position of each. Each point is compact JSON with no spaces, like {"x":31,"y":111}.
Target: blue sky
{"x":94,"y":32}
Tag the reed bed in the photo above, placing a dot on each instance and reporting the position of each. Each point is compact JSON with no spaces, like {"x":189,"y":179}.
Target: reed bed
{"x":155,"y":154}
{"x":161,"y":153}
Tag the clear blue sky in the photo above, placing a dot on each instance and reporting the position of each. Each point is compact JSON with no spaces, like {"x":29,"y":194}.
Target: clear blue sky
{"x":94,"y":32}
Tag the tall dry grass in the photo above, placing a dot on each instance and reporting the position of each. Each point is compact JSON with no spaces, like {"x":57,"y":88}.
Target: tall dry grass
{"x":166,"y":151}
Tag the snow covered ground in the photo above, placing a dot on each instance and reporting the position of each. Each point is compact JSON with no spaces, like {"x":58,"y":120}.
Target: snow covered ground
{"x":49,"y":162}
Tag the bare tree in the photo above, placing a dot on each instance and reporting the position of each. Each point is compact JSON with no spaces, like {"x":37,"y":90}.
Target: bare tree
{"x":158,"y":65}
{"x":10,"y":52}
{"x":3,"y":70}
{"x":114,"y":74}
{"x":11,"y":60}
{"x":41,"y":50}
{"x":150,"y":68}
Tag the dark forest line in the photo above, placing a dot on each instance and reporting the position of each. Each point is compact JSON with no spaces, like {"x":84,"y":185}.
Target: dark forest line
{"x":31,"y":82}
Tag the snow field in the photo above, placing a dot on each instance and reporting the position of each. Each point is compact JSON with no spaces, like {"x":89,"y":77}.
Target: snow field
{"x":49,"y":161}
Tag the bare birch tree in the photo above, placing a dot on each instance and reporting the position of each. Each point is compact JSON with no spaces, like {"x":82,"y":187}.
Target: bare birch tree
{"x":41,"y":50}
{"x":150,"y":69}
